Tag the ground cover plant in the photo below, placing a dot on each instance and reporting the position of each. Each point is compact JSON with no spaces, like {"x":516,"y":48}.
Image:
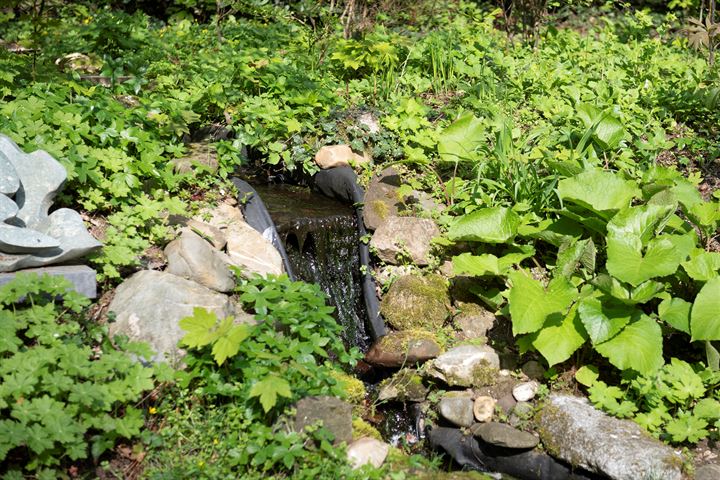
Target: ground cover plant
{"x":575,"y":147}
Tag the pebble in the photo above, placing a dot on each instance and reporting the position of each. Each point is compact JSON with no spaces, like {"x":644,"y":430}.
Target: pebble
{"x":526,"y":391}
{"x":484,"y":408}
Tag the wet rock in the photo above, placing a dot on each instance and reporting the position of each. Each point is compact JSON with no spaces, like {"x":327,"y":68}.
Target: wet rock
{"x":709,"y":471}
{"x":473,"y":321}
{"x":209,"y":232}
{"x":404,"y":237}
{"x":457,"y":409}
{"x":576,"y":432}
{"x":534,"y":370}
{"x":381,"y":198}
{"x":397,"y":349}
{"x":484,"y":408}
{"x":149,"y":305}
{"x":367,"y":450}
{"x":525,"y":391}
{"x":504,"y":435}
{"x":415,"y":302}
{"x":249,"y":250}
{"x":200,"y":155}
{"x":193,"y":258}
{"x":466,"y":365}
{"x":405,"y":386}
{"x":331,"y":156}
{"x":334,"y":414}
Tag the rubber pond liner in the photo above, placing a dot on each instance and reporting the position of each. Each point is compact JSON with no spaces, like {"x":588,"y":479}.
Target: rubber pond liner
{"x":319,"y":239}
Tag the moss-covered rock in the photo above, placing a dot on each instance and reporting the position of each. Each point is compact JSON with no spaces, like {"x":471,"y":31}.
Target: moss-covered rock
{"x":415,"y":302}
{"x":406,"y":347}
{"x":405,"y":386}
{"x":363,"y":429}
{"x":354,"y":388}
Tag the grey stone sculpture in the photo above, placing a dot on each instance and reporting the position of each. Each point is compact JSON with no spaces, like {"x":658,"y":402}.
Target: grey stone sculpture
{"x":29,"y":236}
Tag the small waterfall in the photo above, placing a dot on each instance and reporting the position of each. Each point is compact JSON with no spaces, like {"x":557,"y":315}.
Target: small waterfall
{"x":321,"y":239}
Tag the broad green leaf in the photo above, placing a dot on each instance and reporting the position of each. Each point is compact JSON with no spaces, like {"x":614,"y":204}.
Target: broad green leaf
{"x":707,"y":408}
{"x":587,"y":375}
{"x":705,"y":214}
{"x":712,"y":355}
{"x":598,"y":190}
{"x":268,"y":389}
{"x":642,"y":222}
{"x":662,"y":257}
{"x":460,"y":139}
{"x":531,"y":304}
{"x":638,"y":347}
{"x":491,"y":225}
{"x":705,"y":314}
{"x":228,"y":344}
{"x":609,"y":131}
{"x":676,"y":313}
{"x":560,"y":337}
{"x":569,"y":256}
{"x":603,"y":319}
{"x":487,"y":264}
{"x":200,"y":327}
{"x":702,"y":265}
{"x":645,"y":292}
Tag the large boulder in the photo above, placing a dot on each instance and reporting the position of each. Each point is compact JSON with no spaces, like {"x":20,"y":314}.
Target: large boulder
{"x":191,"y":257}
{"x":397,"y":349}
{"x":382,"y":199}
{"x":416,"y":303}
{"x":573,"y":430}
{"x":249,"y":250}
{"x":149,"y":305}
{"x":334,"y":414}
{"x":407,"y":237}
{"x":466,"y":366}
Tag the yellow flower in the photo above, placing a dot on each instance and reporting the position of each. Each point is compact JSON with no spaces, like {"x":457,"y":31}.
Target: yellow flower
{"x":87,"y":20}
{"x":215,"y":441}
{"x":152,"y":410}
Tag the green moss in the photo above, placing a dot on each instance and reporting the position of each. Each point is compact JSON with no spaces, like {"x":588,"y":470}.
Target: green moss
{"x":400,"y":341}
{"x":363,"y":429}
{"x":354,"y":388}
{"x":417,"y":303}
{"x":484,"y":375}
{"x":380,"y":208}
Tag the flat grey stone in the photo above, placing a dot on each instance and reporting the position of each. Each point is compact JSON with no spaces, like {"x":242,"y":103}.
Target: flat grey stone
{"x":399,"y":237}
{"x":150,"y":304}
{"x":82,"y":277}
{"x":504,"y":435}
{"x":9,"y":180}
{"x":193,"y":258}
{"x":334,"y":414}
{"x":8,"y":208}
{"x":457,"y":410}
{"x":709,"y":471}
{"x":24,"y":240}
{"x":573,"y":430}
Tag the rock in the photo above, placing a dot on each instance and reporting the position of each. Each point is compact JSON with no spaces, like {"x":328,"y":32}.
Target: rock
{"x":149,"y":305}
{"x":387,"y":274}
{"x":423,"y":202}
{"x":80,"y":62}
{"x":457,"y":409}
{"x":25,"y":241}
{"x":8,"y":208}
{"x":369,"y":121}
{"x":82,"y":278}
{"x":331,"y":156}
{"x":504,"y":435}
{"x":334,"y":414}
{"x":200,"y":155}
{"x":209,"y":232}
{"x":193,"y":258}
{"x":484,"y":408}
{"x":381,"y":198}
{"x":524,"y":410}
{"x":708,"y":471}
{"x":405,"y":386}
{"x":249,"y":250}
{"x":507,"y":403}
{"x":473,"y":321}
{"x":576,"y":432}
{"x":223,"y":217}
{"x":415,"y":302}
{"x":397,"y":349}
{"x":466,"y":365}
{"x":525,"y":391}
{"x":534,"y":370}
{"x":404,"y":237}
{"x":9,"y":180}
{"x":367,"y":450}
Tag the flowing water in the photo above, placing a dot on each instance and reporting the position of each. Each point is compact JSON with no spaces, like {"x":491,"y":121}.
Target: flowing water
{"x":321,"y":239}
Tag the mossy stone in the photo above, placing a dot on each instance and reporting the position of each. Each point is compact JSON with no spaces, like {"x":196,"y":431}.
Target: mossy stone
{"x":415,"y":302}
